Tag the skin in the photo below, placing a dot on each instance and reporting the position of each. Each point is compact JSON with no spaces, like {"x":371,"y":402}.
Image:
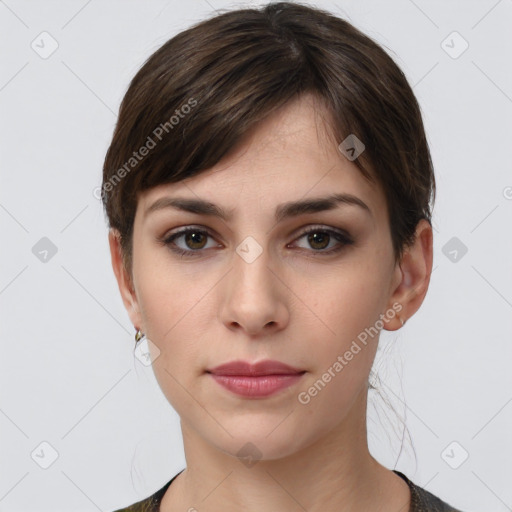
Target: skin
{"x":291,"y":304}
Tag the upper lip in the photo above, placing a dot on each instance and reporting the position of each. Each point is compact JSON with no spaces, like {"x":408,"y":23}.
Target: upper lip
{"x":267,"y":367}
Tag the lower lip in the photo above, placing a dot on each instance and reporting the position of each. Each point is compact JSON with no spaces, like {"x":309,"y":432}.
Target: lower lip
{"x":260,"y":386}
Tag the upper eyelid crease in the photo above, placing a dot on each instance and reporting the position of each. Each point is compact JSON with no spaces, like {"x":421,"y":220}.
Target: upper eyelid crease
{"x":346,"y":238}
{"x":283,"y":211}
{"x":300,"y":233}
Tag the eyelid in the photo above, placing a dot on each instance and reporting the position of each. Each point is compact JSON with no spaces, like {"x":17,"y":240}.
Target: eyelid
{"x":322,"y":227}
{"x":168,"y":237}
{"x":300,"y":232}
{"x":346,"y":238}
{"x":342,"y":236}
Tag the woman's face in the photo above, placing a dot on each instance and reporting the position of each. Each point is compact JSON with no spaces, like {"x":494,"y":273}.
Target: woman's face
{"x":254,"y":287}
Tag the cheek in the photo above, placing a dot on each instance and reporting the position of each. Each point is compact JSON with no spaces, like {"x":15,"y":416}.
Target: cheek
{"x":348,"y":304}
{"x":168,"y":293}
{"x":175,"y":302}
{"x":173,"y":326}
{"x":347,"y":300}
{"x":340,"y":363}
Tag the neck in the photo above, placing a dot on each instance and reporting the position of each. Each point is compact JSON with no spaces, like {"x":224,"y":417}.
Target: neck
{"x":334,"y":472}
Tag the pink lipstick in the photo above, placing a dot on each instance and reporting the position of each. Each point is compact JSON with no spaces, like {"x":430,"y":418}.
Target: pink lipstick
{"x":256,"y":380}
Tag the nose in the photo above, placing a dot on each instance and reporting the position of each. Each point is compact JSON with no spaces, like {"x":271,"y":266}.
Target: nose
{"x":254,"y":298}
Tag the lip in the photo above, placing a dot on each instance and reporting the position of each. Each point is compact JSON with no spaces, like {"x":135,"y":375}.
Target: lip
{"x":245,"y":368}
{"x":256,"y":380}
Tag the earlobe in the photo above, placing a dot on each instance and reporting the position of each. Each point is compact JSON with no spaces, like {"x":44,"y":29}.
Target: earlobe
{"x":123,"y":278}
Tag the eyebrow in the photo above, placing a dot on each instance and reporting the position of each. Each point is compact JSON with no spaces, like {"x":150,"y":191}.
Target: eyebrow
{"x":283,"y":211}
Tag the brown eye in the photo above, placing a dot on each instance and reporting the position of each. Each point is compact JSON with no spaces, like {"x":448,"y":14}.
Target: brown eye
{"x":195,"y":239}
{"x":325,"y":241}
{"x":318,"y":240}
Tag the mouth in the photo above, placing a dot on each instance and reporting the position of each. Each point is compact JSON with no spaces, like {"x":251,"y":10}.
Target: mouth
{"x":247,"y":369}
{"x":258,"y":380}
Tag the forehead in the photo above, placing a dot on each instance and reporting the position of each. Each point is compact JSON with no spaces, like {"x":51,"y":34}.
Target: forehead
{"x":288,"y":156}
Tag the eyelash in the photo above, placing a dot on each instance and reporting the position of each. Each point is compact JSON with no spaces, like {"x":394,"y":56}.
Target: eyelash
{"x":340,"y":236}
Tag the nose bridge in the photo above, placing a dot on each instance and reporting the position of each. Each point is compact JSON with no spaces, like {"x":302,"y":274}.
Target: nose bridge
{"x":251,"y":273}
{"x":252,"y":298}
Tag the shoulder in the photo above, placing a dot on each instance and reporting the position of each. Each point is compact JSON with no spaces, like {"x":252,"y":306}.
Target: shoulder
{"x":423,"y":500}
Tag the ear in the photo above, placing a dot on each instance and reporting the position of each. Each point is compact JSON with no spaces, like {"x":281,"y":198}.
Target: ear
{"x":412,"y":277}
{"x":124,"y":280}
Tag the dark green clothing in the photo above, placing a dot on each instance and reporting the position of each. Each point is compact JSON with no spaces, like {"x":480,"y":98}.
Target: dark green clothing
{"x":421,"y":499}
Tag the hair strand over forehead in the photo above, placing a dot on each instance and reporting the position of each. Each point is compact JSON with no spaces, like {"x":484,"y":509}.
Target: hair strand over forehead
{"x":196,"y":98}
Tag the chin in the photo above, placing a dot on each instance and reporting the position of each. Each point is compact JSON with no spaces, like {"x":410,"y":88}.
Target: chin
{"x":263,"y":439}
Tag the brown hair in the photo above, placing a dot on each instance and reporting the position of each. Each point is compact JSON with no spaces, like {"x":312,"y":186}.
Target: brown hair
{"x":196,"y":97}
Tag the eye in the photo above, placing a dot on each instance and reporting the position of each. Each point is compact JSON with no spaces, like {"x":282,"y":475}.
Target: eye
{"x":319,"y":238}
{"x":194,"y":240}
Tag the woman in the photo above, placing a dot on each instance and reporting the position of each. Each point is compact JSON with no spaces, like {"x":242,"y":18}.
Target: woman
{"x":268,"y":192}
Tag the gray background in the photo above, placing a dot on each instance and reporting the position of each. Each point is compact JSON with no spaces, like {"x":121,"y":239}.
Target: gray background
{"x":69,"y":378}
